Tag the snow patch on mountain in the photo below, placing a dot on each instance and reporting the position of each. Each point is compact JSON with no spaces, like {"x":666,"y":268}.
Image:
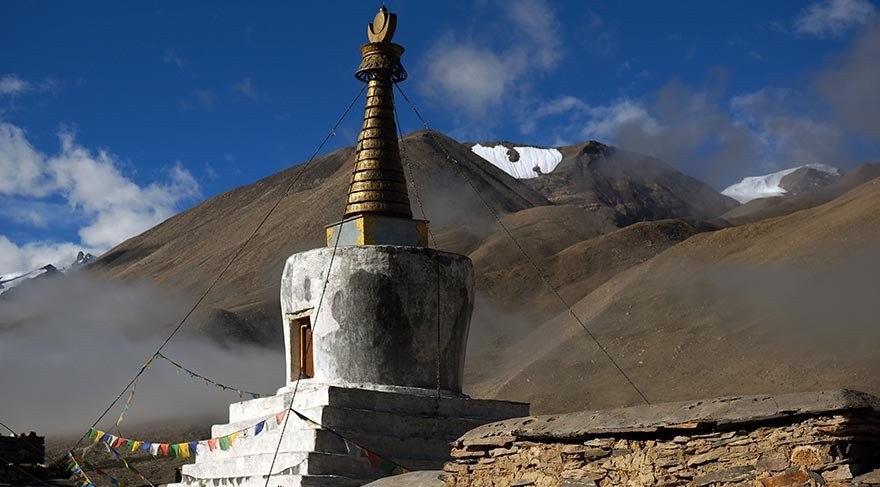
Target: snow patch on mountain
{"x":530,"y":163}
{"x":754,"y":187}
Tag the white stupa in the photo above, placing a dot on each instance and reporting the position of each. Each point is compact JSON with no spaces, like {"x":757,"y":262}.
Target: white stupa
{"x":375,"y":329}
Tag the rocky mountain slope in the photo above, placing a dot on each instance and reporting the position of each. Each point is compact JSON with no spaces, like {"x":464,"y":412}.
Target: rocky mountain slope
{"x":623,"y":236}
{"x":629,"y":187}
{"x":777,"y":306}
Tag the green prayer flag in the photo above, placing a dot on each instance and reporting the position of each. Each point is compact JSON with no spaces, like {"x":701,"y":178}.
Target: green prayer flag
{"x":387,"y":467}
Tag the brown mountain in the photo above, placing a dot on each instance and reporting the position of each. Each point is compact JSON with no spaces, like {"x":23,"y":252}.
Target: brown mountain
{"x":633,"y":186}
{"x":782,"y":305}
{"x":185,"y":252}
{"x":805,"y":180}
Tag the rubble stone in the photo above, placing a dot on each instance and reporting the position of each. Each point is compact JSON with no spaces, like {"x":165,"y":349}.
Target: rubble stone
{"x":823,"y":441}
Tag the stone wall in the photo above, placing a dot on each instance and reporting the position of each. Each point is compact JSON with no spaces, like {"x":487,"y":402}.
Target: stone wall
{"x":829,"y":440}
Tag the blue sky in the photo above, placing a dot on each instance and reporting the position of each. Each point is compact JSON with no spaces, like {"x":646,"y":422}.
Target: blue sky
{"x":116,"y":115}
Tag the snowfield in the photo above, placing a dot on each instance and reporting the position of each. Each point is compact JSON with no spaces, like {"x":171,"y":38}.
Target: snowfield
{"x":754,"y":187}
{"x":533,"y":161}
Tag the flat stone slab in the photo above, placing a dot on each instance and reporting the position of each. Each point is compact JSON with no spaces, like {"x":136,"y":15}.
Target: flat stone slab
{"x":427,"y":478}
{"x":670,"y":417}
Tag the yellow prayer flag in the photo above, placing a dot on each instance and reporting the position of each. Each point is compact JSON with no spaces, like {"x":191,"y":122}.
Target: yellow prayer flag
{"x":183,"y":450}
{"x":136,"y":445}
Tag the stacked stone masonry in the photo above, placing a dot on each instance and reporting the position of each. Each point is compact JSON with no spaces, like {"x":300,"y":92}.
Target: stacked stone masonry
{"x":814,"y":445}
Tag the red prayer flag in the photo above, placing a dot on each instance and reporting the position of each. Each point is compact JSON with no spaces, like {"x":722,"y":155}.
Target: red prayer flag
{"x":163,"y":449}
{"x":280,"y":417}
{"x":119,"y":442}
{"x":375,"y":460}
{"x":212,"y":444}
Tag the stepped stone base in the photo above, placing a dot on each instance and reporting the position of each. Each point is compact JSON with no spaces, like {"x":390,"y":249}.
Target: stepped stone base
{"x":406,"y":425}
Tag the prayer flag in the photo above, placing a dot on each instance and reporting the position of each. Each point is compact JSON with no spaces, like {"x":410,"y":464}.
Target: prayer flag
{"x":193,"y":447}
{"x":136,"y":445}
{"x":374,"y":460}
{"x":106,"y":438}
{"x":280,"y":417}
{"x":154,"y":449}
{"x":259,"y":427}
{"x":119,"y":442}
{"x":183,"y":450}
{"x":307,"y":420}
{"x":163,"y":449}
{"x":146,"y":446}
{"x":174,"y":450}
{"x":212,"y":444}
{"x":224,"y":443}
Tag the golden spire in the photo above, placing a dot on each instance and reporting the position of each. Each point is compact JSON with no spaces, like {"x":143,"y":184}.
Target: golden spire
{"x":378,"y":184}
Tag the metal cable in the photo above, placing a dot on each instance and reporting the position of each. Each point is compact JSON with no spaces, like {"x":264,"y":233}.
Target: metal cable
{"x":412,"y":182}
{"x":534,"y":265}
{"x":336,"y":239}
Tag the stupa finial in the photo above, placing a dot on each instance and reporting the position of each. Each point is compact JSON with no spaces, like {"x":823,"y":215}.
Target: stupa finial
{"x":378,"y":184}
{"x":383,"y":26}
{"x":377,"y":209}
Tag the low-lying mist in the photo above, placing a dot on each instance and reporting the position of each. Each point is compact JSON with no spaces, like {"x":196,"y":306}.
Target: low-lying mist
{"x":68,"y":345}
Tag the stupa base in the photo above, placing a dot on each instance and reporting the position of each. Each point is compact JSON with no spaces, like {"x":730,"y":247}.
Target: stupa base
{"x":410,"y":428}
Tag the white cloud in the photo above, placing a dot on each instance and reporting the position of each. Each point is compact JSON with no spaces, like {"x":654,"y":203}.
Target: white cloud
{"x":171,"y":57}
{"x":206,"y":97}
{"x":246,"y":88}
{"x":849,"y":83}
{"x":12,"y":85}
{"x":110,"y":206}
{"x":834,"y":17}
{"x":22,"y":168}
{"x":34,"y":255}
{"x":786,"y":138}
{"x":604,"y":122}
{"x":702,"y":131}
{"x":471,"y":76}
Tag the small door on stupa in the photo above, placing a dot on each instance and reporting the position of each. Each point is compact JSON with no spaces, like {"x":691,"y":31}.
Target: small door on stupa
{"x":302,"y":349}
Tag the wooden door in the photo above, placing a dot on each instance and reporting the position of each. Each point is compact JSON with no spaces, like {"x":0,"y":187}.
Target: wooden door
{"x":306,"y":353}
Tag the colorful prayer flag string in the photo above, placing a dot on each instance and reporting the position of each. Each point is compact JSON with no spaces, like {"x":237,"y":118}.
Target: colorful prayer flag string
{"x":127,"y":403}
{"x":187,"y":449}
{"x":125,"y":464}
{"x":92,"y":468}
{"x":387,"y":467}
{"x":207,"y":381}
{"x":82,"y":480}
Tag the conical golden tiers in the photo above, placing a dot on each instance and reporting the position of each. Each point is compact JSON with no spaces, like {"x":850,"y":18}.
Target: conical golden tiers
{"x":378,"y":184}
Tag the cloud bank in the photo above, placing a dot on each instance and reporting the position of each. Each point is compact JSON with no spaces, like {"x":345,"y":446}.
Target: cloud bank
{"x":468,"y":73}
{"x":92,"y":188}
{"x":69,"y":344}
{"x":833,"y":18}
